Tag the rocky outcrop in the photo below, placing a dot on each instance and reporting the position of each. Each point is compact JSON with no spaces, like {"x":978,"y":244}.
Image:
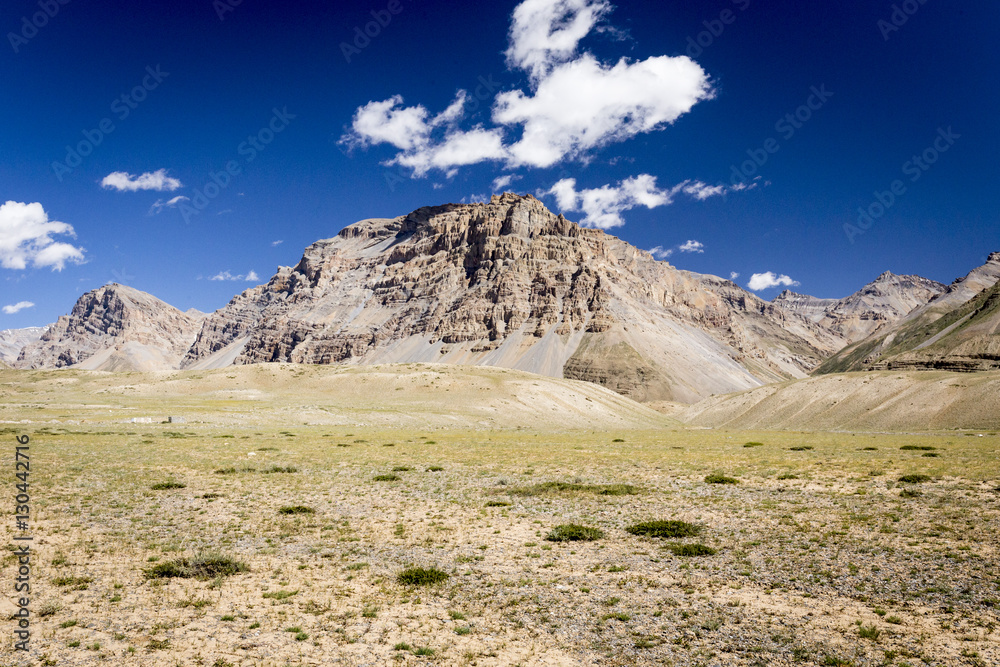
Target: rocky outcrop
{"x":508,"y":283}
{"x":879,"y":303}
{"x":115,"y":328}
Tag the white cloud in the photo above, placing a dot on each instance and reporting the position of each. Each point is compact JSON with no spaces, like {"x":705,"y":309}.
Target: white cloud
{"x":151,"y":180}
{"x":226,"y":275}
{"x":160,"y":204}
{"x":659,"y":252}
{"x":575,"y":103}
{"x":276,"y":243}
{"x":17,"y":307}
{"x":702,"y":191}
{"x":603,"y":206}
{"x":26,"y":237}
{"x":733,"y":275}
{"x":762,"y":281}
{"x":544,"y":33}
{"x":692,"y":246}
{"x":582,"y":105}
{"x":501,"y":182}
{"x":474,"y":199}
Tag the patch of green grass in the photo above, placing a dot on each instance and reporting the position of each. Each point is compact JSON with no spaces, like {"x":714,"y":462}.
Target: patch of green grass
{"x":666,"y":529}
{"x":869,"y":632}
{"x":690,"y":550}
{"x":868,"y":449}
{"x":497,"y":503}
{"x":800,"y":448}
{"x":386,"y":478}
{"x":463,"y":630}
{"x":166,"y":486}
{"x":788,"y":475}
{"x":424,"y":651}
{"x":158,"y":644}
{"x":456,"y":615}
{"x":401,"y":646}
{"x":419,"y":576}
{"x":296,"y":509}
{"x":721,"y":479}
{"x":917,"y":448}
{"x":553,"y":488}
{"x":435,"y":468}
{"x":402,"y":469}
{"x":78,"y":583}
{"x":68,"y":624}
{"x":571,"y":532}
{"x":227,"y":617}
{"x":915,"y":479}
{"x":616,"y":616}
{"x":279,"y":469}
{"x":910,"y":493}
{"x":753,"y":444}
{"x":279,"y":595}
{"x":199,"y":567}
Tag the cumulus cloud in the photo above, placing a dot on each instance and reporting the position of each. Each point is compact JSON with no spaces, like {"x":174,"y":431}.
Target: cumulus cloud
{"x":151,"y":180}
{"x":692,"y":246}
{"x":226,"y":275}
{"x":659,"y":252}
{"x":160,"y":204}
{"x":17,"y":307}
{"x":573,"y":105}
{"x":26,"y":238}
{"x":603,"y":206}
{"x":501,"y":182}
{"x":733,"y":275}
{"x":763,"y":281}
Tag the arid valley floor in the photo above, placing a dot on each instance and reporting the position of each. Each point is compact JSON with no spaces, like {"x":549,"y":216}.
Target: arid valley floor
{"x":303,"y":492}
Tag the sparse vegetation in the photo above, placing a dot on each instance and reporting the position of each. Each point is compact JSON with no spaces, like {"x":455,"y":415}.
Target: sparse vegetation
{"x":390,"y":477}
{"x":665,"y":529}
{"x":198,"y":567}
{"x":553,"y":488}
{"x":915,"y":479}
{"x":167,"y":486}
{"x":571,"y":532}
{"x":720,"y":479}
{"x":689,"y":550}
{"x":419,"y":576}
{"x":296,"y":509}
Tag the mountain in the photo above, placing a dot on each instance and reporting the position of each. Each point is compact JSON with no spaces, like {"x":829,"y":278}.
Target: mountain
{"x":957,"y":330}
{"x":882,"y":301}
{"x":507,"y":283}
{"x":12,"y":341}
{"x":873,"y":401}
{"x":115,"y":328}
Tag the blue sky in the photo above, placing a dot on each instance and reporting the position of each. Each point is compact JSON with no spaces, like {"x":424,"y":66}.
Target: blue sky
{"x":221,"y":138}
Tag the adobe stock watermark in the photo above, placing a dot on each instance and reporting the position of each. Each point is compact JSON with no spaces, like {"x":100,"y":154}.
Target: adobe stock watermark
{"x":223,"y":7}
{"x":714,"y":28}
{"x":901,"y":13}
{"x":914,"y":168}
{"x":122,"y":107}
{"x":363,"y":36}
{"x":786,"y":126}
{"x":254,"y":145}
{"x":30,"y":25}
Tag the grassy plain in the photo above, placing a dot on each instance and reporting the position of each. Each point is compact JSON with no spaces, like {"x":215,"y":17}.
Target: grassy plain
{"x":224,"y":541}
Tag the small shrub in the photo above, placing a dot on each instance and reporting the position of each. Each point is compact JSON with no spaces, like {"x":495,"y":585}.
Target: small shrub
{"x":386,"y":478}
{"x":401,"y":646}
{"x":800,"y":448}
{"x":424,"y":651}
{"x":915,"y":479}
{"x":279,"y":469}
{"x":721,"y":479}
{"x":665,"y":529}
{"x":434,"y":468}
{"x":931,"y":455}
{"x":689,"y":550}
{"x":910,"y":493}
{"x":199,"y":567}
{"x":788,"y":475}
{"x":419,"y":576}
{"x":166,"y":486}
{"x":279,"y":595}
{"x":497,"y":503}
{"x":917,"y":448}
{"x":402,"y":469}
{"x":868,"y":449}
{"x":618,"y":440}
{"x":158,"y":644}
{"x":754,"y":444}
{"x":296,"y":509}
{"x":869,"y":632}
{"x":572,"y":532}
{"x":227,"y":617}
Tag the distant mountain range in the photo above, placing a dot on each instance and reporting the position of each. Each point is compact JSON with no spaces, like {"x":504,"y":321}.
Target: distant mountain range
{"x":503,"y":283}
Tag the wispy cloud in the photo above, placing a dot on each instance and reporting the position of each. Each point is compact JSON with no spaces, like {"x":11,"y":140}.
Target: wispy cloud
{"x":160,"y":204}
{"x":692,"y":246}
{"x":17,"y":307}
{"x":277,"y":243}
{"x":26,"y":238}
{"x":151,"y":180}
{"x":763,"y":281}
{"x":733,"y":275}
{"x":659,"y":252}
{"x":226,"y":275}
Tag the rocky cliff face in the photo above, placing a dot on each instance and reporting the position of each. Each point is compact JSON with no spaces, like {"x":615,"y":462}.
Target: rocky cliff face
{"x":956,"y":330}
{"x":882,"y":301}
{"x":12,"y":341}
{"x":115,"y":328}
{"x":507,"y":283}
